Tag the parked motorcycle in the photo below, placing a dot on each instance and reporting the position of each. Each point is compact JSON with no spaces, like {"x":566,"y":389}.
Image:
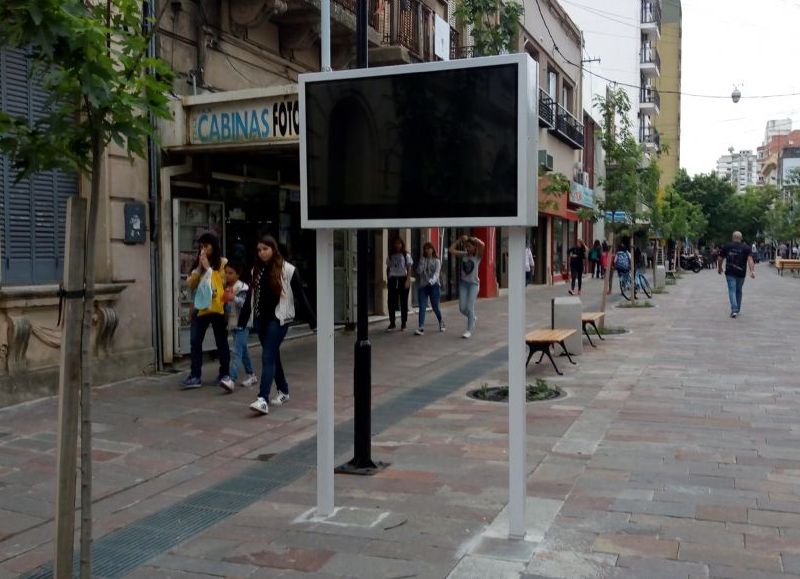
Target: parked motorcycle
{"x":692,"y":262}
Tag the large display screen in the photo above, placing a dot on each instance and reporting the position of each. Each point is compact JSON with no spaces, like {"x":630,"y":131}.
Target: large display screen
{"x":433,"y":145}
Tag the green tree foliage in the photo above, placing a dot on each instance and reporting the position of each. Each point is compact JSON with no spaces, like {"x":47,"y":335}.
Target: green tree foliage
{"x":676,"y":218}
{"x":494,"y":24}
{"x":91,"y":59}
{"x":724,"y":210}
{"x":631,"y":181}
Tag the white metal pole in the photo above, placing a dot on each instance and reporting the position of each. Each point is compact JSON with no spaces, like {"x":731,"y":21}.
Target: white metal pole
{"x":325,"y":383}
{"x":517,"y":412}
{"x":325,"y":35}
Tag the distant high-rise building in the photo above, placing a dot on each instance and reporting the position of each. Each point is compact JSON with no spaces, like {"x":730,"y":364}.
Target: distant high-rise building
{"x":776,"y":128}
{"x":668,"y":121}
{"x":741,"y":169}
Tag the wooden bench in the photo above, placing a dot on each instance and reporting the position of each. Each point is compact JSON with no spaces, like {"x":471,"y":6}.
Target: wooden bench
{"x":591,"y":319}
{"x":542,"y":340}
{"x":790,"y":264}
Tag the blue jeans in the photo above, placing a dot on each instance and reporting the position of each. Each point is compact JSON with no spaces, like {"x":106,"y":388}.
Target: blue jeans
{"x":241,"y":354}
{"x":197,"y":333}
{"x":432,"y":292}
{"x":735,"y":292}
{"x":467,"y":296}
{"x":271,"y":335}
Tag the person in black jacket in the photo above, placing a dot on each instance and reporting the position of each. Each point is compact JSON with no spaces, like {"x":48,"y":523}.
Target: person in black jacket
{"x":276,"y":298}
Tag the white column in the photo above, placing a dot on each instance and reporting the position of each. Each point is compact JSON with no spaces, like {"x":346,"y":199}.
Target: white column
{"x":517,"y":412}
{"x":325,"y":384}
{"x":325,"y":35}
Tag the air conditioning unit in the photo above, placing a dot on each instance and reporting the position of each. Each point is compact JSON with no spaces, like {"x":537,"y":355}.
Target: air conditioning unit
{"x":545,"y":160}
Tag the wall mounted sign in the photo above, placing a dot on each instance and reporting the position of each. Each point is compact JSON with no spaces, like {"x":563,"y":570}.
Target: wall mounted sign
{"x":262,"y":120}
{"x":135,"y":223}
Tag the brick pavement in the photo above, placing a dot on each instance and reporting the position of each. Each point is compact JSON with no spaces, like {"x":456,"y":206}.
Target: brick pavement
{"x":673,"y":456}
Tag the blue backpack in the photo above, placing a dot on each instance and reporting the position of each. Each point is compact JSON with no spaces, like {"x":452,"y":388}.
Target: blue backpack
{"x":622,"y":260}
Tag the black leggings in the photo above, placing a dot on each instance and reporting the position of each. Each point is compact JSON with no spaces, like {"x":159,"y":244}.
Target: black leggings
{"x":577,"y":275}
{"x":398,"y":291}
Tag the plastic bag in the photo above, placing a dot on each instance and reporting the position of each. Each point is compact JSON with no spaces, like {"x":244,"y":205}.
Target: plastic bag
{"x":203,"y":293}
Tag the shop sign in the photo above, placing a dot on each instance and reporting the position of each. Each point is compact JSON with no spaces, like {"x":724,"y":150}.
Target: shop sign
{"x":265,"y":120}
{"x":581,"y":195}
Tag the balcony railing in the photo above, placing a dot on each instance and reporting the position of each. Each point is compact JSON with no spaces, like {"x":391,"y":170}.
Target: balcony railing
{"x":547,"y":110}
{"x":650,"y":96}
{"x":462,"y":52}
{"x":649,"y":136}
{"x":650,"y":55}
{"x":651,"y":13}
{"x":568,"y":128}
{"x":410,"y":24}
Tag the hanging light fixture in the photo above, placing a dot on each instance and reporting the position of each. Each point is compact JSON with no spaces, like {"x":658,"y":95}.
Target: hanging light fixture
{"x":736,"y":94}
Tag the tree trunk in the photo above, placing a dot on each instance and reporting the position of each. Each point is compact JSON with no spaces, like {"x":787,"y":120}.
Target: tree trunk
{"x":69,"y":388}
{"x":606,"y":277}
{"x":86,"y":360}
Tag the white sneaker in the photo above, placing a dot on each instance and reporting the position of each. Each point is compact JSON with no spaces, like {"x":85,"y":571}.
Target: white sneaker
{"x":280,"y":399}
{"x":227,"y":384}
{"x":467,"y":335}
{"x":251,"y":380}
{"x":260,"y":406}
{"x":442,"y":328}
{"x":419,"y":332}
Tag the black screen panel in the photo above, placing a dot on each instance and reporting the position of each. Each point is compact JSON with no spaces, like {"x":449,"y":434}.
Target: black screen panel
{"x":423,"y":145}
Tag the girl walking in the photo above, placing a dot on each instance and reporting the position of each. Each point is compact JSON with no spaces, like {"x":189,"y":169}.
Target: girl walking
{"x":235,"y":297}
{"x":208,"y":272}
{"x":275,"y":299}
{"x":470,"y":250}
{"x":398,"y":275}
{"x":428,"y":269}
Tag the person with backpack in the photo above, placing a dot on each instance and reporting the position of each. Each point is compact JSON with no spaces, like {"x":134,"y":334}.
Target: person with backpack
{"x":622,"y":264}
{"x":398,"y":277}
{"x":738,"y":259}
{"x":206,"y":280}
{"x":236,"y":292}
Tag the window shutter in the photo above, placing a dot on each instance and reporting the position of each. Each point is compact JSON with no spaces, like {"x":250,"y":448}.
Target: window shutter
{"x":32,"y":212}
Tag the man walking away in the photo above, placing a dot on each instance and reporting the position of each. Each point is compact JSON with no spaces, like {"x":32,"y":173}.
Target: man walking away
{"x":738,"y":260}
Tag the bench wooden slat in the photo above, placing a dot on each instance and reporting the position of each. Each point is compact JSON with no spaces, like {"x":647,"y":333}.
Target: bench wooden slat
{"x":592,"y":316}
{"x":551,"y":336}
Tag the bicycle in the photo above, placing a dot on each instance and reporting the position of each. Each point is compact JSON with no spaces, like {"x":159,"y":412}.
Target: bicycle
{"x":640,"y":282}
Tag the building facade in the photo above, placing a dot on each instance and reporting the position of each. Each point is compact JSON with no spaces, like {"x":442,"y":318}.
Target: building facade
{"x":32,"y":236}
{"x":741,"y":169}
{"x":561,"y":136}
{"x":789,"y":172}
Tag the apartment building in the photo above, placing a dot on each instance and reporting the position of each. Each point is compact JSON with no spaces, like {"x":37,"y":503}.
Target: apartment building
{"x":668,"y":120}
{"x":740,"y":168}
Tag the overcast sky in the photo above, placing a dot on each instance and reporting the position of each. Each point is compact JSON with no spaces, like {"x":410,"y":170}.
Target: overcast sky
{"x":727,"y":42}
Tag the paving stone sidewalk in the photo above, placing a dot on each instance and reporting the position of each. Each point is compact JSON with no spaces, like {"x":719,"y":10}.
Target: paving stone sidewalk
{"x":674,"y":455}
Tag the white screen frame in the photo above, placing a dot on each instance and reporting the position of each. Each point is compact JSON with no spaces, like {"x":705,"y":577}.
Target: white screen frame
{"x":527,"y":145}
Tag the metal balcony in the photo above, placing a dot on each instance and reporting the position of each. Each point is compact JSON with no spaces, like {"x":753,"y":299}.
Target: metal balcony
{"x":649,"y":100}
{"x":650,"y":61}
{"x":547,"y":110}
{"x":651,"y":17}
{"x":568,"y":128}
{"x":650,"y":138}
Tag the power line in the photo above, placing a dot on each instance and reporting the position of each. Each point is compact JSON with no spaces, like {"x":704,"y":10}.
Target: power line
{"x":637,"y":86}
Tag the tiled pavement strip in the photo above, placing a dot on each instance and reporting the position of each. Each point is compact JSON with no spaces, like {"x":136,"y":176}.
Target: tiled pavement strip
{"x":675,"y":455}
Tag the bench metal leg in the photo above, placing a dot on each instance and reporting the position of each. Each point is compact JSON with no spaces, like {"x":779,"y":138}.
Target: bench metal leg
{"x":599,"y":335}
{"x":566,"y":352}
{"x":553,"y":362}
{"x":588,"y":337}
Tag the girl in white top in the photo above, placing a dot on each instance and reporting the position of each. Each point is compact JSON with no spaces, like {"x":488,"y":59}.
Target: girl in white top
{"x":428,"y":270}
{"x":398,"y":276}
{"x":470,"y":250}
